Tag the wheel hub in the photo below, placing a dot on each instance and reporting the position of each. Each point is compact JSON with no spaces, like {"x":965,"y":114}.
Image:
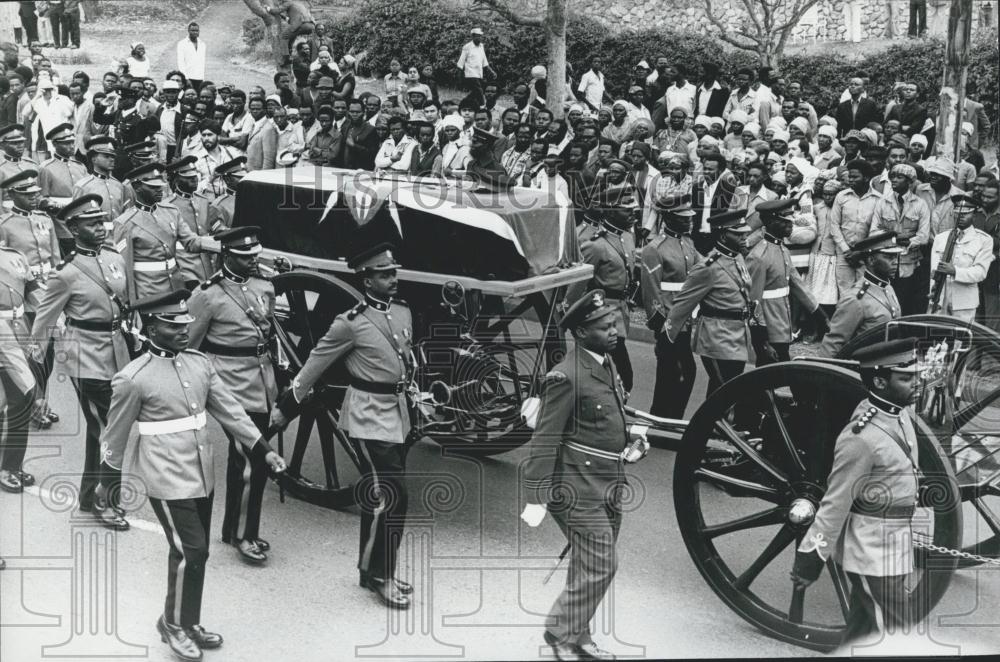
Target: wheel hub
{"x":801,"y":512}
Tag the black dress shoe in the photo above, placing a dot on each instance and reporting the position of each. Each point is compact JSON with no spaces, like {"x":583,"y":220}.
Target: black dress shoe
{"x":561,"y":650}
{"x":262,"y":544}
{"x":180,"y":644}
{"x":26,"y":479}
{"x":590,"y":651}
{"x":204,"y":640}
{"x":10,"y":482}
{"x":249,"y":551}
{"x":388,"y":593}
{"x":110,"y":518}
{"x":406,"y":588}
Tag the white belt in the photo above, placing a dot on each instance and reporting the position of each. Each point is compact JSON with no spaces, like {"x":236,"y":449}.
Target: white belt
{"x":15,"y":314}
{"x":779,"y":293}
{"x":666,"y":286}
{"x":40,"y":269}
{"x":800,"y":260}
{"x":155,"y":266}
{"x":196,"y":422}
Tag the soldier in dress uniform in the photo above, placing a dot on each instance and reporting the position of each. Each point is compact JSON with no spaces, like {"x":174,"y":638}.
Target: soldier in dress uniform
{"x":193,"y":206}
{"x":776,"y":280}
{"x":136,"y":154}
{"x":12,"y":144}
{"x":233,"y":325}
{"x":101,"y":153}
{"x":667,"y":261}
{"x":871,"y":303}
{"x":863,"y":522}
{"x":611,"y":250}
{"x":16,"y":376}
{"x":576,"y":470}
{"x":374,"y":339}
{"x":89,"y":287}
{"x":147,"y":236}
{"x":223,"y":208}
{"x":167,"y":392}
{"x":720,"y":285}
{"x":57,"y":177}
{"x":32,"y":232}
{"x":971,"y":255}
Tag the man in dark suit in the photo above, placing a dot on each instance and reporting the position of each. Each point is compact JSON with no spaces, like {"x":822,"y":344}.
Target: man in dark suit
{"x":710,"y":98}
{"x":361,"y":141}
{"x":858,"y":111}
{"x":576,"y":469}
{"x":711,"y":196}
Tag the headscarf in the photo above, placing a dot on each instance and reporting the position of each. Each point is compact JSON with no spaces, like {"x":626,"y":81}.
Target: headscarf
{"x":703,"y":120}
{"x":642,"y":121}
{"x":538,"y":71}
{"x":780,"y":134}
{"x":452,"y":120}
{"x":826,"y":120}
{"x":904,"y":169}
{"x":802,"y":123}
{"x":828,"y":131}
{"x":833,"y":186}
{"x":808,"y":171}
{"x":777,"y":123}
{"x":716,"y":120}
{"x":753,"y":128}
{"x":920,"y":139}
{"x":622,"y":103}
{"x":739,"y":116}
{"x":871,"y":136}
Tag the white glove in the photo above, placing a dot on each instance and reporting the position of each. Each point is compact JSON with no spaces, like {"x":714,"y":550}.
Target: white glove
{"x":533,"y":514}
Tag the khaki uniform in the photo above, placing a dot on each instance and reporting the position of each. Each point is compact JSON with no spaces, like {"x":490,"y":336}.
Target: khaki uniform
{"x":612,"y":253}
{"x":774,"y":281}
{"x":575,"y":466}
{"x":221,"y":212}
{"x":870,"y":304}
{"x":667,"y":260}
{"x":720,"y":285}
{"x":233,"y":326}
{"x":194,"y":212}
{"x":112,"y":192}
{"x":57,"y":177}
{"x":147,"y":238}
{"x":34,"y":235}
{"x":92,"y":290}
{"x":15,"y":278}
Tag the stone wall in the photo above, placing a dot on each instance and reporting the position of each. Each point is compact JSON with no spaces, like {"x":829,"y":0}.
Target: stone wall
{"x":825,"y":21}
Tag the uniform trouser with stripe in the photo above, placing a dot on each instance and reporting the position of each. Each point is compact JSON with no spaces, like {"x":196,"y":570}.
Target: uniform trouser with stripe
{"x":877,"y":604}
{"x":14,"y":420}
{"x":382,"y":497}
{"x":721,"y":371}
{"x":95,"y":400}
{"x":592,"y":532}
{"x":675,"y":374}
{"x":246,"y":478}
{"x":186,"y":523}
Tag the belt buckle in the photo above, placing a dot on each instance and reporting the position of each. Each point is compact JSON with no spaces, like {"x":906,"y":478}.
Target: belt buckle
{"x":400,"y":387}
{"x":261,"y":350}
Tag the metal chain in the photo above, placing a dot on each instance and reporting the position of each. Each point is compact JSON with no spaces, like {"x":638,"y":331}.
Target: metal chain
{"x":955,"y":552}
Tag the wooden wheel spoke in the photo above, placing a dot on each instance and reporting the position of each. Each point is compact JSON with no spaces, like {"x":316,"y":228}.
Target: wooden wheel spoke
{"x":797,"y":605}
{"x":987,"y":514}
{"x":785,"y":436}
{"x":764,"y":518}
{"x":288,"y":347}
{"x":733,"y":437}
{"x":816,"y":469}
{"x":302,"y":435}
{"x":342,"y":439}
{"x":737,"y":485}
{"x":840,"y":587}
{"x":300,"y":311}
{"x":325,"y":429}
{"x":781,"y":540}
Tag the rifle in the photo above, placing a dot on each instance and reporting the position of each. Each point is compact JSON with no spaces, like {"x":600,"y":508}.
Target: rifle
{"x":934,"y":306}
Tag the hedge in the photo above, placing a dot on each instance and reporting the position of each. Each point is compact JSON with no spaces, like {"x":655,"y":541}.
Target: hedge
{"x":420,"y":32}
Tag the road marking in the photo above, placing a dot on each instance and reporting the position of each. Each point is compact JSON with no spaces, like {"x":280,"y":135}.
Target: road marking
{"x":136,"y":523}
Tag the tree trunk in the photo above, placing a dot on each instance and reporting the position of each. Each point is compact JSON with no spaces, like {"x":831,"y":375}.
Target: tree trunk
{"x":91,"y":9}
{"x":956,"y":67}
{"x":271,"y":28}
{"x":555,"y":37}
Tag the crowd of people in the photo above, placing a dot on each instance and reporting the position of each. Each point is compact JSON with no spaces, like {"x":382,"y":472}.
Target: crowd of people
{"x":774,"y":214}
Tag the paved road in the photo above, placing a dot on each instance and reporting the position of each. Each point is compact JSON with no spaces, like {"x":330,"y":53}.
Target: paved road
{"x":478,"y":573}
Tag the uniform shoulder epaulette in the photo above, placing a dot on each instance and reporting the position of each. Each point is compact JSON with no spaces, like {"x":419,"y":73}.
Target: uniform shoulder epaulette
{"x":86,"y":179}
{"x":215,"y":278}
{"x":862,"y":290}
{"x":711,"y":259}
{"x":66,"y":260}
{"x":137,"y":364}
{"x":196,"y":353}
{"x":597,"y":235}
{"x":168,"y":205}
{"x":47,"y":161}
{"x":865,"y":418}
{"x":657,"y":240}
{"x":401,"y":302}
{"x":555,"y":377}
{"x":357,"y":310}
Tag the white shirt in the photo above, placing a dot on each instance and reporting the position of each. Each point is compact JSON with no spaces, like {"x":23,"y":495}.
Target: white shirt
{"x":167,"y":116}
{"x":592,"y":87}
{"x":241,"y":127}
{"x":473,"y":60}
{"x":709,"y":194}
{"x":138,"y":68}
{"x":191,"y":58}
{"x":600,"y":358}
{"x":207,"y":162}
{"x":53,"y":112}
{"x":706,"y":96}
{"x":383,"y":159}
{"x":680,"y":97}
{"x":291,"y":138}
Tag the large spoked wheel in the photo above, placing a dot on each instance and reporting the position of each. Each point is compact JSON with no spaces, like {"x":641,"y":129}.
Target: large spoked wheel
{"x":969,"y":439}
{"x":761,"y":442}
{"x":321,"y":473}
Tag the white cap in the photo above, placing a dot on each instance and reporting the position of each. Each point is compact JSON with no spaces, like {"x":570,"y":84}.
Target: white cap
{"x":170,"y":85}
{"x":478,"y":31}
